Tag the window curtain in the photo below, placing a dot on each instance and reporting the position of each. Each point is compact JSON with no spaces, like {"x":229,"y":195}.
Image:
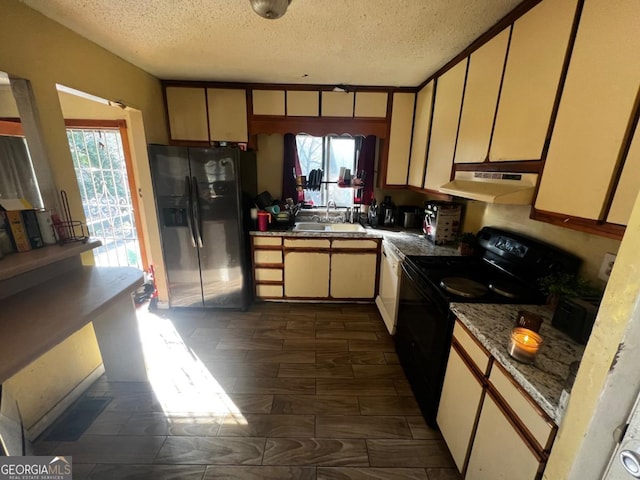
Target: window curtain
{"x":291,"y":169}
{"x":17,"y":178}
{"x":366,"y":163}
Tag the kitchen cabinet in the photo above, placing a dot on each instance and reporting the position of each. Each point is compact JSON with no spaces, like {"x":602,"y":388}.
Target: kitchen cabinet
{"x":268,"y":102}
{"x":420,"y":140}
{"x":532,"y":74}
{"x":628,"y":185}
{"x":306,"y":274}
{"x":187,"y":111}
{"x":444,"y":128}
{"x":353,"y":275}
{"x":400,"y":138}
{"x":227,"y":110}
{"x":480,"y":99}
{"x":371,"y":104}
{"x":303,"y":103}
{"x":268,"y":271}
{"x":594,"y":113}
{"x":337,"y":104}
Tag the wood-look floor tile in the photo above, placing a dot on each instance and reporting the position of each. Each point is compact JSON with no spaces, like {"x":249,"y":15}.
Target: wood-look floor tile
{"x":391,"y":358}
{"x":203,"y":333}
{"x":319,"y":309}
{"x":251,"y":425}
{"x":212,"y":451}
{"x":250,"y":344}
{"x":292,"y":356}
{"x":378,"y":371}
{"x":213,"y":355}
{"x":371,"y":346}
{"x":249,"y":403}
{"x":268,"y":307}
{"x":409,"y":453}
{"x":350,"y":358}
{"x":344,"y":315}
{"x":144,"y":472}
{"x":403,"y":387}
{"x":346,"y":334}
{"x":82,"y":471}
{"x":443,"y":474}
{"x":256,"y":322}
{"x":316,"y":404}
{"x":245,"y":369}
{"x":328,"y":324}
{"x":367,"y":326}
{"x":102,"y":385}
{"x":351,"y":473}
{"x":112,"y":449}
{"x":310,"y":370}
{"x":260,"y":473}
{"x":157,"y":423}
{"x":389,"y":405}
{"x":284,"y":333}
{"x":315,"y":345}
{"x":315,"y":451}
{"x":108,"y":423}
{"x":274,"y":385}
{"x":135,"y":402}
{"x":306,"y":324}
{"x":360,"y":426}
{"x":420,"y":430}
{"x":357,"y":386}
{"x":45,"y":448}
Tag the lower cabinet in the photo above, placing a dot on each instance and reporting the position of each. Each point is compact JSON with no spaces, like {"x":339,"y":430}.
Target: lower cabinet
{"x":353,"y":275}
{"x":306,"y":274}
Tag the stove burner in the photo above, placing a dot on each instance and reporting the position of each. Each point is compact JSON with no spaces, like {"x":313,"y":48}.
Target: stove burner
{"x":464,"y":287}
{"x":508,"y":291}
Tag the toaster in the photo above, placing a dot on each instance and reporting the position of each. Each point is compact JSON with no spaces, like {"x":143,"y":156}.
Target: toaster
{"x":575,"y":317}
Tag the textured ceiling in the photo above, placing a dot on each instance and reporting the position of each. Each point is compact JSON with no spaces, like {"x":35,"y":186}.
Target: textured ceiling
{"x":352,"y":42}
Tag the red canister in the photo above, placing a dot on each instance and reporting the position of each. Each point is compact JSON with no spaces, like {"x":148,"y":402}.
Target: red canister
{"x":264,"y":218}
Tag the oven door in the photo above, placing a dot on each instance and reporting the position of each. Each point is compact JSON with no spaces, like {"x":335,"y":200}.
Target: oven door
{"x":423,"y":338}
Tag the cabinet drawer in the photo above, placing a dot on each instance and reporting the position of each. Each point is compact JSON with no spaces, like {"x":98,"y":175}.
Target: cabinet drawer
{"x":536,"y":421}
{"x":273,"y":291}
{"x":267,"y":256}
{"x":477,"y":354}
{"x":268,"y":275}
{"x":267,"y":241}
{"x":372,"y":244}
{"x":307,"y":243}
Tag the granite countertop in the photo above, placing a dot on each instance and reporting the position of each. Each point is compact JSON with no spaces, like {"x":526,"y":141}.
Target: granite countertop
{"x":545,"y":378}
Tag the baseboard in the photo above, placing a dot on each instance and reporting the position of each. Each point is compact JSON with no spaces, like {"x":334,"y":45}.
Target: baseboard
{"x":51,"y":416}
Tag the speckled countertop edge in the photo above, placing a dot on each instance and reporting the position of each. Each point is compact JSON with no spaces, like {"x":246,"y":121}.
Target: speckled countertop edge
{"x":545,"y":378}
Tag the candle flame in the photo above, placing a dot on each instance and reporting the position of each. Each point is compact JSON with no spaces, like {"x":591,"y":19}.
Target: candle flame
{"x":526,"y":339}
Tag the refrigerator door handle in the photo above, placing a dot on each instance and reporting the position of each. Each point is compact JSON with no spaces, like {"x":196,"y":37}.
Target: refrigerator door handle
{"x":197,"y":217}
{"x":188,"y":194}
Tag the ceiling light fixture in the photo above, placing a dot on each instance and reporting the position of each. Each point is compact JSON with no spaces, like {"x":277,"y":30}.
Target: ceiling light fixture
{"x":270,"y":9}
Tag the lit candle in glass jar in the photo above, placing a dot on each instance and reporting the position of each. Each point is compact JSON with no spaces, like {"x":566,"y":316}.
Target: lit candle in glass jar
{"x":524,"y":344}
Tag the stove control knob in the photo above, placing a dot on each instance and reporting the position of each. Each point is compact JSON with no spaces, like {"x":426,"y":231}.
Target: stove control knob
{"x":631,"y":462}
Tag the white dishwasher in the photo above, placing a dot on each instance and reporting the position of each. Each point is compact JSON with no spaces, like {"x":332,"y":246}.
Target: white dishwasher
{"x":387,"y":299}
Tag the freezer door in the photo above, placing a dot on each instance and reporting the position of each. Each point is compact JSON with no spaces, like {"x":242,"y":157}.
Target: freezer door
{"x":171,"y":179}
{"x":215,"y":173}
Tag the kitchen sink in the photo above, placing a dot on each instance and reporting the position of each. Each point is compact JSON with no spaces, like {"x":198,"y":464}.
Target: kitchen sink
{"x":328,"y":227}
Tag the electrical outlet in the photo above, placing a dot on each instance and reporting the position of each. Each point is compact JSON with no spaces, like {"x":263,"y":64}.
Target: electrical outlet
{"x":606,"y":267}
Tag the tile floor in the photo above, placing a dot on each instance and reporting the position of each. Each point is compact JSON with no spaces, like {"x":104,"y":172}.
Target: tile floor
{"x":282,"y":391}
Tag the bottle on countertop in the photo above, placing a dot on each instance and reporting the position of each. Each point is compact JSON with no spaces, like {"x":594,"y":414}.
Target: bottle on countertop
{"x":372,"y":214}
{"x":387,"y":212}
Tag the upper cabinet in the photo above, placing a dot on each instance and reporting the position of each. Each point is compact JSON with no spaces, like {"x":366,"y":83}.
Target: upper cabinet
{"x":420,"y":140}
{"x":587,"y":143}
{"x":400,"y":138}
{"x":268,"y":102}
{"x":444,"y":129}
{"x":371,"y":104}
{"x":303,"y":103}
{"x":227,"y":114}
{"x":480,"y":99}
{"x":628,"y":186}
{"x":187,"y":110}
{"x":337,"y":104}
{"x":534,"y":65}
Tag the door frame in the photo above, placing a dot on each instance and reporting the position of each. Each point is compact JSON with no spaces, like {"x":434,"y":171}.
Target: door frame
{"x":121,"y":126}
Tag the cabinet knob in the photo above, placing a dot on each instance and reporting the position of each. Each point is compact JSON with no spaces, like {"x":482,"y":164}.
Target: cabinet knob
{"x":631,"y":462}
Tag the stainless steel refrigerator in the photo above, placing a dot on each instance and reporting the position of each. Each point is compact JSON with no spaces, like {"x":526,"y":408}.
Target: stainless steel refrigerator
{"x":198,"y":194}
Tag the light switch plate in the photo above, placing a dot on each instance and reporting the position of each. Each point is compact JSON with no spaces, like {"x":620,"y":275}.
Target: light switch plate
{"x":606,"y":267}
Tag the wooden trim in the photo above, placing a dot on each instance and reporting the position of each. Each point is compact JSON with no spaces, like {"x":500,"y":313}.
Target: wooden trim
{"x":455,"y":146}
{"x":90,"y":124}
{"x":318,"y":126}
{"x":426,"y":155}
{"x":189,"y":143}
{"x":276,"y":266}
{"x":267,"y":247}
{"x":595,"y":227}
{"x":359,"y":251}
{"x":383,"y":157}
{"x":9,"y":128}
{"x":500,"y":25}
{"x":284,"y":86}
{"x":270,"y":282}
{"x":515,"y":166}
{"x":427,"y":191}
{"x":468,"y":361}
{"x":206,"y":111}
{"x":167,"y":122}
{"x":475,"y":340}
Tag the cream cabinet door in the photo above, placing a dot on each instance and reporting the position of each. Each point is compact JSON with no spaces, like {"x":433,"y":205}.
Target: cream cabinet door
{"x":594,"y":112}
{"x":187,"y":108}
{"x":268,"y":102}
{"x":531,"y":77}
{"x":480,"y":99}
{"x":628,"y":186}
{"x":459,"y":403}
{"x":498,"y":451}
{"x":337,"y":104}
{"x":446,"y":116}
{"x":303,"y":103}
{"x":353,"y":275}
{"x":306,"y":274}
{"x":400,"y":138}
{"x":371,"y":104}
{"x":227,"y":114}
{"x":421,"y":126}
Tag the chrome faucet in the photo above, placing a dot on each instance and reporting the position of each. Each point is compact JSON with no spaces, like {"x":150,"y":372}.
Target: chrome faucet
{"x":330,"y":204}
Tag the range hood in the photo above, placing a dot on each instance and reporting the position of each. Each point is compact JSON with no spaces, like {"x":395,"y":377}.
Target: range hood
{"x":493,"y":187}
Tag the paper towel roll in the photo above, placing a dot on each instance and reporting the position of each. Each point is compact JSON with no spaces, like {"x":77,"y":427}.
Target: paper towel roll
{"x":46,"y":227}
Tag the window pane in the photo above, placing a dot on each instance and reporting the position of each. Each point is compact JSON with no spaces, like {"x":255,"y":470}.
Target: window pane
{"x":341,"y":153}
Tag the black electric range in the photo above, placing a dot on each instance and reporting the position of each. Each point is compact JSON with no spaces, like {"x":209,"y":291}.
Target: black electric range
{"x":506,"y":269}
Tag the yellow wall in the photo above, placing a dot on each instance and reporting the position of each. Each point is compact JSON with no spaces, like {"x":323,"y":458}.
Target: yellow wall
{"x":42,"y":384}
{"x":8,"y":106}
{"x":270,"y":156}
